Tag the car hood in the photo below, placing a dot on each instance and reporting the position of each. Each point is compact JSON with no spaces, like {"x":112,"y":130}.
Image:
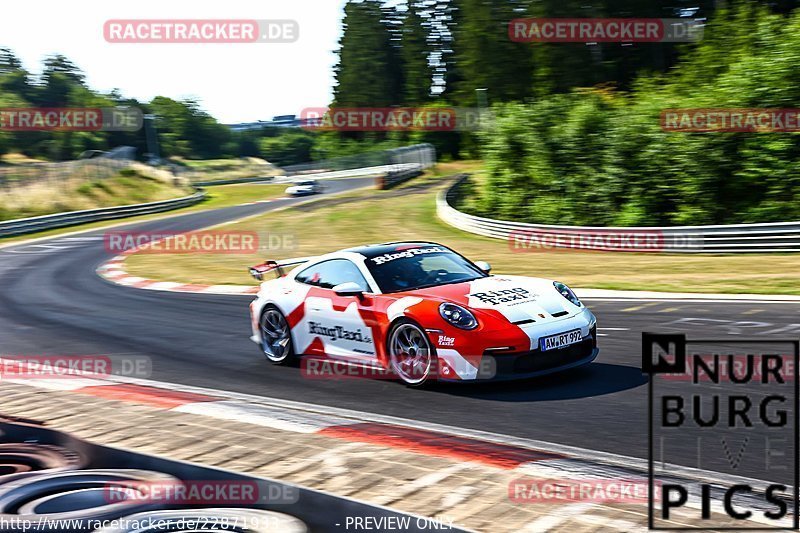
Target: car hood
{"x":516,"y":298}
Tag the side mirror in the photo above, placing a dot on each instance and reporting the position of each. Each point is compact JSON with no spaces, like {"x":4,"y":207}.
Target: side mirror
{"x":483,"y":265}
{"x":348,"y":289}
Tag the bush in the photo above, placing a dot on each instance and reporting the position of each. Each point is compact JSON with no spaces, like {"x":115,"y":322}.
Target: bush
{"x":599,"y":157}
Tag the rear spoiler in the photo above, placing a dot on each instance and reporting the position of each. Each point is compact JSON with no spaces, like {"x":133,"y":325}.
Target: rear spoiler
{"x":258,"y":271}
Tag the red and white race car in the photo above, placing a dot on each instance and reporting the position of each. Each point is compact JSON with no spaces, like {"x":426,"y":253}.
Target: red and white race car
{"x":422,"y":312}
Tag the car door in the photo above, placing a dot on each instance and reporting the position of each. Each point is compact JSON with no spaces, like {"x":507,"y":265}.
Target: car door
{"x":339,"y":326}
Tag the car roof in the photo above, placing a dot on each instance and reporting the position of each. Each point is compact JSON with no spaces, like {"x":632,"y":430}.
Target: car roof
{"x":375,"y":250}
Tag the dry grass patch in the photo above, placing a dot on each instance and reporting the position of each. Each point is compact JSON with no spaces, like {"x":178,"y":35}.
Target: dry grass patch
{"x":409,"y":214}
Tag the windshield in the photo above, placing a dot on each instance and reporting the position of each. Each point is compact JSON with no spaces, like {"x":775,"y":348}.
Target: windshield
{"x":418,"y":267}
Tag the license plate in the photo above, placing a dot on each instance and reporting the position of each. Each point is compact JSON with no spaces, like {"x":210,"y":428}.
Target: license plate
{"x":562,"y":340}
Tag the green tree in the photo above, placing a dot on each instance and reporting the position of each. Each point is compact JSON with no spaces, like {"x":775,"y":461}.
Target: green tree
{"x":416,"y":53}
{"x":366,"y":74}
{"x":484,"y":55}
{"x":289,"y":148}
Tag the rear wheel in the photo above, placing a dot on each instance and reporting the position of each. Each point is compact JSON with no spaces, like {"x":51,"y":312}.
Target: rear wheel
{"x":276,"y":336}
{"x":411,"y":355}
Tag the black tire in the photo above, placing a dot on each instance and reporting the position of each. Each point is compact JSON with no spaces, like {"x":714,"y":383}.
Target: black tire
{"x":422,"y":371}
{"x":16,"y":459}
{"x":65,"y":502}
{"x":276,"y":335}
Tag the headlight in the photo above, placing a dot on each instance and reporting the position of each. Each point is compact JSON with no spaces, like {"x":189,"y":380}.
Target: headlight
{"x":458,"y":316}
{"x":567,"y":293}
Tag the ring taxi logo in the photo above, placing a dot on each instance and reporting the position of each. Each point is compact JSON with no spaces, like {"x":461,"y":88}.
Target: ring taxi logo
{"x":503,"y":296}
{"x":727,"y":410}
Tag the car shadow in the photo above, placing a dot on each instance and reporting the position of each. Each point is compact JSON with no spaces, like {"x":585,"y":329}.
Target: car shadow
{"x":596,"y":379}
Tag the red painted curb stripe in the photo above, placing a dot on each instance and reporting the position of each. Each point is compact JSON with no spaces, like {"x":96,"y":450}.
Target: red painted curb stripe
{"x":152,"y":396}
{"x":115,"y":271}
{"x":439,"y":444}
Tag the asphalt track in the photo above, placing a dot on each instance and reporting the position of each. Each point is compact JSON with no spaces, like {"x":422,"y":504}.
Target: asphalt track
{"x":53,"y":303}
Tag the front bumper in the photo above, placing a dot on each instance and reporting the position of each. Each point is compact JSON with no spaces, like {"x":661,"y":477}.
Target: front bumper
{"x":535,"y":363}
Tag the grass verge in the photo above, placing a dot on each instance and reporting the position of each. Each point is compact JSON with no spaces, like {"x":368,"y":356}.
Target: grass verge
{"x":218,"y":197}
{"x":409,"y":213}
{"x":129,"y":186}
{"x":227,"y":169}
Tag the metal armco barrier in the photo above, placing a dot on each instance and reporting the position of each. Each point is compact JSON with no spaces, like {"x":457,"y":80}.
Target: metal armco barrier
{"x":60,"y":220}
{"x":235,"y":181}
{"x":398,"y":165}
{"x":422,"y":155}
{"x":395,"y":178}
{"x":522,"y":237}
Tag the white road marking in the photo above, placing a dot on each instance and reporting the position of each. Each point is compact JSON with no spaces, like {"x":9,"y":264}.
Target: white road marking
{"x":613,"y":523}
{"x":557,"y":517}
{"x":58,"y":384}
{"x":429,"y":480}
{"x":639,"y":307}
{"x":296,"y":422}
{"x":47,"y":249}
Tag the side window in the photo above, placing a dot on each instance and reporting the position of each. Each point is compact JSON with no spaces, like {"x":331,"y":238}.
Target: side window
{"x":329,"y":274}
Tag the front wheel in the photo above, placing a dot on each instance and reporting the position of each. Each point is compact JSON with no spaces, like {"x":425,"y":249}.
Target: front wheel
{"x":276,"y":337}
{"x":411,"y":355}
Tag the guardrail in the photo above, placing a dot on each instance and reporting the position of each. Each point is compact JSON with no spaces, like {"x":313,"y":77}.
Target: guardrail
{"x":423,"y":155}
{"x":402,"y":164}
{"x":59,"y":220}
{"x":233,"y":181}
{"x":521,"y":236}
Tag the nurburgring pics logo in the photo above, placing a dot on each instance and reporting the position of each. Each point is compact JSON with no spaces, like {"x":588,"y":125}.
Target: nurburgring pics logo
{"x":730,"y":120}
{"x":70,"y":119}
{"x":198,"y":31}
{"x":604,"y":30}
{"x":732,"y":416}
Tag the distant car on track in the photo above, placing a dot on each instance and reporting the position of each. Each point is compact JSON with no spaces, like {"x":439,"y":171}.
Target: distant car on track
{"x":305,"y":188}
{"x":422,"y":312}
